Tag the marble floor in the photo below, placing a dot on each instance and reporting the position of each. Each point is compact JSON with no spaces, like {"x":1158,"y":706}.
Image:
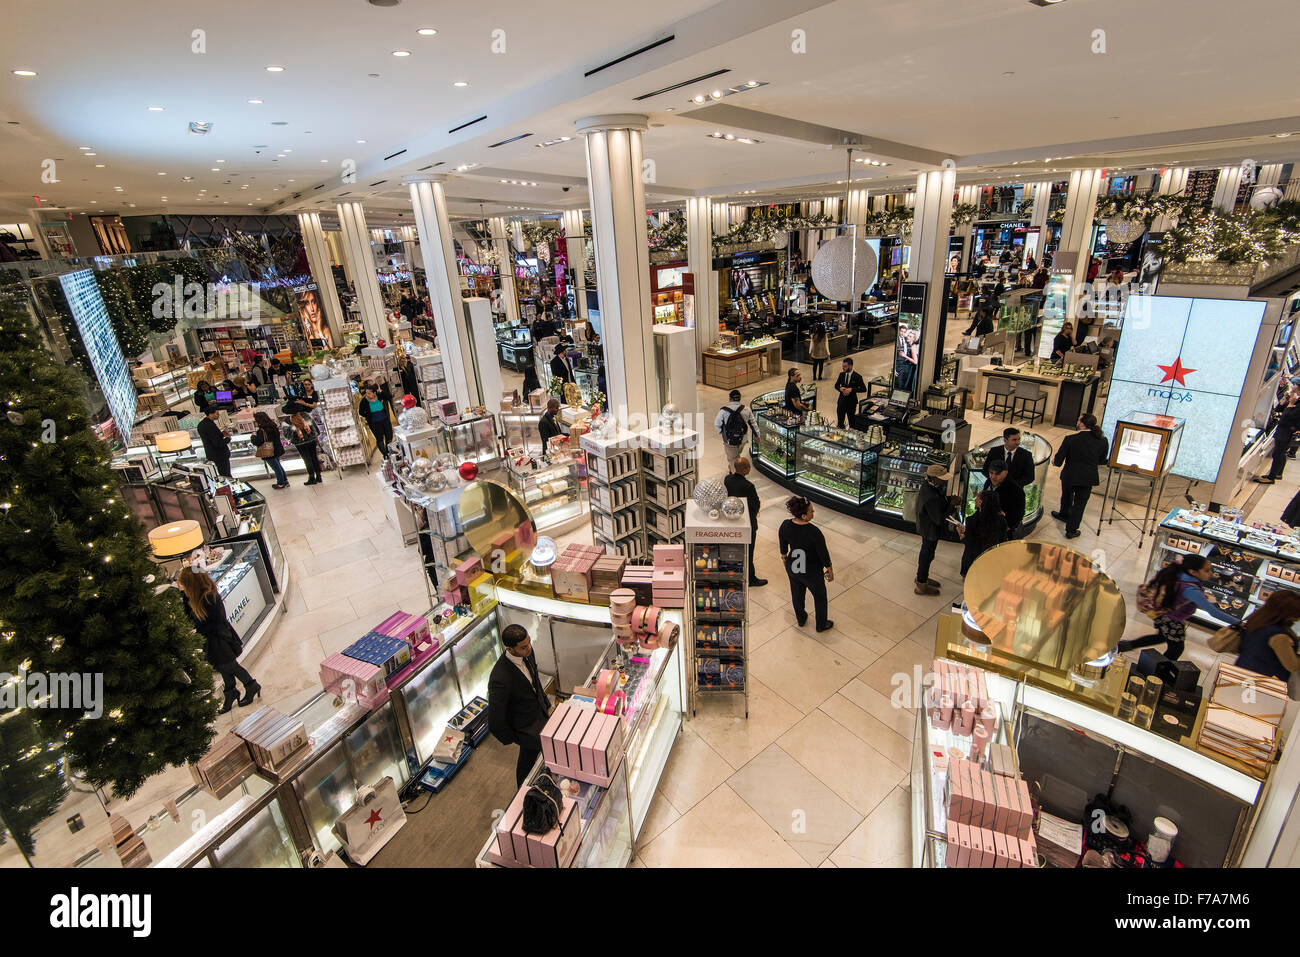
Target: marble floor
{"x":817,"y":776}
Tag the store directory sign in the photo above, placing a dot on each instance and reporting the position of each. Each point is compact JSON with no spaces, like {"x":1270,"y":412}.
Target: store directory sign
{"x":1187,"y":358}
{"x":82,"y":293}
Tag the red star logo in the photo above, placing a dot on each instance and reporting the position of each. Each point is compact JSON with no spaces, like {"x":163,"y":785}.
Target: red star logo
{"x":1176,"y":372}
{"x":373,"y":819}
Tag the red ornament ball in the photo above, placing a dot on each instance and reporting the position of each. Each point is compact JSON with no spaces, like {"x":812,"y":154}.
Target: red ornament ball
{"x":380,"y":343}
{"x":408,"y":401}
{"x":469,"y":471}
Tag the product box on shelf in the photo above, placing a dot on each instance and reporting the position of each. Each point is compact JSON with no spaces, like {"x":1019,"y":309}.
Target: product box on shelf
{"x":351,"y":678}
{"x":389,"y":654}
{"x":413,"y":629}
{"x":583,"y":744}
{"x":517,"y":848}
{"x":468,"y":570}
{"x":225,"y":766}
{"x":273,"y":738}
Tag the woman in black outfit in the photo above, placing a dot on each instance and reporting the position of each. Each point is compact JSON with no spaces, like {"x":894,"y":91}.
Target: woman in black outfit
{"x":375,"y":412}
{"x":1063,"y":342}
{"x":986,"y":527}
{"x":807,"y":561}
{"x":309,"y":396}
{"x":302,"y":432}
{"x":267,"y":432}
{"x":204,"y":397}
{"x":406,"y":370}
{"x":221,"y":643}
{"x":1287,"y":426}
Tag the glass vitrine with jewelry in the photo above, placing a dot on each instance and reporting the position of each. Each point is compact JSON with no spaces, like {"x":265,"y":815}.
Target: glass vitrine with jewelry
{"x":553,"y":493}
{"x":775,"y":439}
{"x":474,"y":440}
{"x":973,"y":478}
{"x":522,"y":430}
{"x":838,"y":462}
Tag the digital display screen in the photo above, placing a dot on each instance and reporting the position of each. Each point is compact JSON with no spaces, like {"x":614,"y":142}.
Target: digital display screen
{"x":224,"y":396}
{"x":1189,"y":358}
{"x":82,"y":293}
{"x":670,"y":276}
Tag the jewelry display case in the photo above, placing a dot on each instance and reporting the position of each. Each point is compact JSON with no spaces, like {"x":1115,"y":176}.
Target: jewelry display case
{"x":973,"y":477}
{"x":839,"y":462}
{"x":901,"y":472}
{"x":553,"y":493}
{"x":244,"y":586}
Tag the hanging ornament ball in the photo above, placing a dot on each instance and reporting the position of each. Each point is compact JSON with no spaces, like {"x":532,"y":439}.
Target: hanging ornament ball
{"x":1264,"y":197}
{"x":1119,"y":229}
{"x":17,"y":418}
{"x":469,"y":471}
{"x":380,"y":343}
{"x":844,"y":268}
{"x":733,"y":508}
{"x":421,"y":468}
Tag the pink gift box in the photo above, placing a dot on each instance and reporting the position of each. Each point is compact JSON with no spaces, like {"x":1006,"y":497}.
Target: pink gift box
{"x":554,"y":848}
{"x":669,"y":556}
{"x":412,"y":629}
{"x":468,"y":570}
{"x":573,"y":741}
{"x":964,"y":844}
{"x":669,"y":577}
{"x":555,"y":733}
{"x":1028,"y":851}
{"x":999,"y":849}
{"x":347,"y":677}
{"x":602,"y":745}
{"x":512,"y":841}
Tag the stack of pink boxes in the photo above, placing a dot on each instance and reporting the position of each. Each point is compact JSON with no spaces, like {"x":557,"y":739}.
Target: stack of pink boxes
{"x":640,"y":578}
{"x":990,"y":819}
{"x":456,"y":591}
{"x":959,"y":702}
{"x":412,"y":629}
{"x":583,"y":744}
{"x":571,"y":573}
{"x":669,"y":581}
{"x":515,"y":847}
{"x":354,"y":680}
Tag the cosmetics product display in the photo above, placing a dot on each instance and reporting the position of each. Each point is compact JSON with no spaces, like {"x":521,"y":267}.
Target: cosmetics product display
{"x":718,"y":560}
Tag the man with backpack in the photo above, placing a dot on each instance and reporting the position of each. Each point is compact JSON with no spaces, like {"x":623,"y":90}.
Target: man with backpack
{"x":733,"y":423}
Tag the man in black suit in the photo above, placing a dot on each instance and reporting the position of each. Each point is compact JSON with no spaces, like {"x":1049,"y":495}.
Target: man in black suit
{"x":548,"y":425}
{"x":517,"y":705}
{"x":216,"y":441}
{"x":1080,"y":457}
{"x":741,"y":487}
{"x":560,"y":365}
{"x":1011,"y":497}
{"x":848,"y":386}
{"x":1018,"y":461}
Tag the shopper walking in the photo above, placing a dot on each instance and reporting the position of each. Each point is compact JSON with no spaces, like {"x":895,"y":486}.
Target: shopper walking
{"x":1080,"y":458}
{"x":819,"y":350}
{"x":302,"y":433}
{"x":984,"y":528}
{"x":733,"y":423}
{"x":848,"y":386}
{"x":221,"y":643}
{"x":932,"y":510}
{"x":216,"y":441}
{"x":517,"y":704}
{"x":739,"y":485}
{"x":375,"y":413}
{"x":1172,"y":597}
{"x":807,"y":561}
{"x":268,"y":434}
{"x":1010,"y":496}
{"x":1288,"y":424}
{"x":406,"y":371}
{"x":1268,"y":643}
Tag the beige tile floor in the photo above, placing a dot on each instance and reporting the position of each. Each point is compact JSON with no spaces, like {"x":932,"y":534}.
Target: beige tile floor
{"x":817,"y":774}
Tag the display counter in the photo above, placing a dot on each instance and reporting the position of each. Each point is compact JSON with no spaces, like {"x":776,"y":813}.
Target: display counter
{"x":474,"y":440}
{"x":515,"y":348}
{"x":728,"y":369}
{"x":552,"y":494}
{"x":838,"y":462}
{"x":973,"y":476}
{"x":1069,"y":395}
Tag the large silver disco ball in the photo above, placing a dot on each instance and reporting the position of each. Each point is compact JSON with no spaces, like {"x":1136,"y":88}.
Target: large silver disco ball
{"x":844,"y":268}
{"x":733,"y":508}
{"x":1120,"y":229}
{"x":710,"y":493}
{"x":420,"y":469}
{"x":1264,"y":197}
{"x":413,"y":418}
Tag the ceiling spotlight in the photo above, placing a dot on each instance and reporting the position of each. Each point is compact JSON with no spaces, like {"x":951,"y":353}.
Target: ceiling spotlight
{"x":752,"y":83}
{"x":361,"y":141}
{"x":83,"y":147}
{"x":99,"y":166}
{"x":427,"y":32}
{"x":255,"y":102}
{"x":668,"y":109}
{"x":201,"y":129}
{"x":460,"y":83}
{"x":23,"y":72}
{"x":162,"y":174}
{"x":91,"y":154}
{"x":401,"y":53}
{"x":324,"y":161}
{"x":1281,"y":136}
{"x":155,"y":109}
{"x":731,"y":136}
{"x":275,"y":69}
{"x":1044,"y":3}
{"x":698,"y":98}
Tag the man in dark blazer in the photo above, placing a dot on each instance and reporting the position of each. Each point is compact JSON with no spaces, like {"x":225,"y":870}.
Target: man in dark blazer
{"x":1080,"y":457}
{"x":548,"y":426}
{"x":1011,"y":497}
{"x":216,"y":441}
{"x":848,"y":386}
{"x":560,"y":365}
{"x":517,"y":705}
{"x":740,"y":486}
{"x":1018,"y":461}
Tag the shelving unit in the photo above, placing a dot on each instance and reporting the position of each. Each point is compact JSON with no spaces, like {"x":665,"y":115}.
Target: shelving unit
{"x":342,"y":433}
{"x":717,"y":604}
{"x":553,"y":493}
{"x":429,"y":373}
{"x":668,"y":479}
{"x":615,"y":486}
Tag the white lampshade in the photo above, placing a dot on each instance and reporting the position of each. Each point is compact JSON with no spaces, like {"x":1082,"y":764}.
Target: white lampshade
{"x":175,"y":538}
{"x":172,"y":441}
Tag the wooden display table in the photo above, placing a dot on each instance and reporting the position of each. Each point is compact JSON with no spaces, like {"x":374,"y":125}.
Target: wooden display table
{"x":732,"y":370}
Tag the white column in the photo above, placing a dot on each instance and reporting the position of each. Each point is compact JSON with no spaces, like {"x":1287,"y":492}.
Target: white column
{"x":614,"y":157}
{"x":505,"y":266}
{"x":929,"y":257}
{"x":1293,"y":187}
{"x":517,"y":234}
{"x":969,"y":195}
{"x":1270,"y":174}
{"x":721,"y":219}
{"x":856,"y":213}
{"x":1042,"y":196}
{"x":575,"y":247}
{"x":1173,"y":180}
{"x":318,"y":258}
{"x":1225,"y":191}
{"x":430,"y":204}
{"x":1075,"y":249}
{"x":356,"y":249}
{"x":699,"y":262}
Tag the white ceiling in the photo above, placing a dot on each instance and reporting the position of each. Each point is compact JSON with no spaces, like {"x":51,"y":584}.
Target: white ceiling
{"x":924,"y":76}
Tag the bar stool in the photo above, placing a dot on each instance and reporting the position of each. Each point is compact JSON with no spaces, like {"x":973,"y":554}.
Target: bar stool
{"x":1030,"y":402}
{"x":997,"y":397}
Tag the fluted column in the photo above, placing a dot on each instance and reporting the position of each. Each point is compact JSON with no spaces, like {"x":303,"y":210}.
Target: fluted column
{"x":930,"y":224}
{"x":614,"y":157}
{"x":361,"y":263}
{"x":856,"y":212}
{"x":575,"y":248}
{"x":429,"y":201}
{"x":505,"y":267}
{"x":1173,"y":180}
{"x":1075,"y":250}
{"x":699,"y":262}
{"x":969,"y":195}
{"x":318,"y":258}
{"x":1270,"y":174}
{"x":1225,"y":191}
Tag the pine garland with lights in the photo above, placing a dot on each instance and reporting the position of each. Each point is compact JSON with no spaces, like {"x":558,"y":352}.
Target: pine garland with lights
{"x":75,"y":589}
{"x":963,"y":213}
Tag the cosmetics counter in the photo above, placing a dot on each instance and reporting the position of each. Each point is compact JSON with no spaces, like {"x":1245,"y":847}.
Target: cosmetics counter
{"x":1250,"y":561}
{"x":973,"y":477}
{"x":1070,"y":391}
{"x":1085,"y":739}
{"x":732,"y":366}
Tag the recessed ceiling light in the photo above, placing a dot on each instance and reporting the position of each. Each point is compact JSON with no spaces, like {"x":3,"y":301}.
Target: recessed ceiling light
{"x":23,"y":72}
{"x":361,"y":141}
{"x":698,"y":98}
{"x":1044,"y":3}
{"x":99,"y":166}
{"x":752,"y":83}
{"x":83,"y":147}
{"x":324,"y":161}
{"x":427,"y":32}
{"x":716,"y":94}
{"x":460,"y":83}
{"x":155,"y":109}
{"x":401,"y":53}
{"x":275,"y":69}
{"x":162,"y":174}
{"x":287,"y":149}
{"x":668,"y":109}
{"x":1009,"y":73}
{"x":91,"y":154}
{"x":255,"y":102}
{"x":1281,"y":136}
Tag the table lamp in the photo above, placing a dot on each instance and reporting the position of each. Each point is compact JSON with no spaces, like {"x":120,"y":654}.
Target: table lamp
{"x":175,"y":538}
{"x":172,"y":441}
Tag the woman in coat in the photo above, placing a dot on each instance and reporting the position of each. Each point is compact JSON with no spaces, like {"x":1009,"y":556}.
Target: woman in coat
{"x":303,"y":434}
{"x":819,"y":350}
{"x":221,"y":644}
{"x":986,"y":527}
{"x":268,"y":432}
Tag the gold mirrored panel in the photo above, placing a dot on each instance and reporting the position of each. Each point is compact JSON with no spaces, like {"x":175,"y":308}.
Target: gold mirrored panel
{"x":1043,"y":606}
{"x":487,"y":510}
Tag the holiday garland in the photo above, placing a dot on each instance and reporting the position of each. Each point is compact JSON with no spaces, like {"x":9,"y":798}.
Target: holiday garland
{"x":540,"y":231}
{"x":1209,"y":235}
{"x":963,"y":213}
{"x":891,"y":222}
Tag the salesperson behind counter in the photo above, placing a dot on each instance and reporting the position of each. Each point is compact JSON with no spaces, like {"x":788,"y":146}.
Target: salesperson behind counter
{"x":1063,"y":342}
{"x":517,"y":705}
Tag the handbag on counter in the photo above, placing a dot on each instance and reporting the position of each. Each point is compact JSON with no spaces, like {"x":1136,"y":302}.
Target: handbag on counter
{"x":542,"y":806}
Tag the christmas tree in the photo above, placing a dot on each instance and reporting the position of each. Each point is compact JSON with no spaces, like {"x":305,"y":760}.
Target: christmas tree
{"x":32,"y":785}
{"x":77,"y":586}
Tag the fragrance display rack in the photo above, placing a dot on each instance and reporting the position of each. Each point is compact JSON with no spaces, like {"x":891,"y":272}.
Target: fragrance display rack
{"x":342,"y":432}
{"x":701,"y":634}
{"x":668,"y":466}
{"x":430,"y":376}
{"x":617,"y":493}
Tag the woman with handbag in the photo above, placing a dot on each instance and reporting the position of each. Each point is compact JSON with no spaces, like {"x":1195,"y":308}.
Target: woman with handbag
{"x":269,"y":447}
{"x":221,"y":643}
{"x":302,"y":433}
{"x":1265,"y":643}
{"x":1172,"y":597}
{"x":819,"y":350}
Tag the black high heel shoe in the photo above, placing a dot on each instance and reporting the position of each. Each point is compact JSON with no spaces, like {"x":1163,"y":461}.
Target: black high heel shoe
{"x":231,"y":698}
{"x":250,"y":692}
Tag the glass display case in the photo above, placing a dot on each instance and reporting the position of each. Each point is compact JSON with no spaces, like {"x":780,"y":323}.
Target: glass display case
{"x":553,"y":493}
{"x":474,"y":440}
{"x":426,"y":442}
{"x":840,"y":462}
{"x":431,"y":698}
{"x":775,"y":439}
{"x":264,"y":841}
{"x":515,"y":346}
{"x":522,"y":430}
{"x":973,"y":477}
{"x":244,"y":586}
{"x":1146,"y":443}
{"x":255,"y":525}
{"x":902,"y":468}
{"x":1250,"y":562}
{"x":588,"y":382}
{"x":475,"y":653}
